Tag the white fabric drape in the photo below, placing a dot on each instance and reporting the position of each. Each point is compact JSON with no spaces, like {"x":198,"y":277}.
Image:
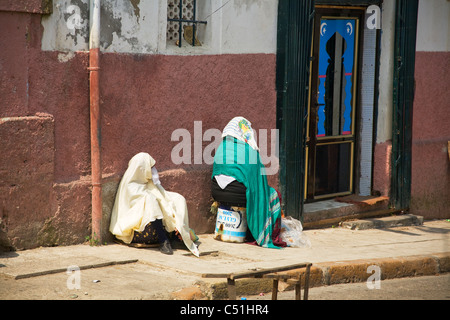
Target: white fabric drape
{"x":139,"y":201}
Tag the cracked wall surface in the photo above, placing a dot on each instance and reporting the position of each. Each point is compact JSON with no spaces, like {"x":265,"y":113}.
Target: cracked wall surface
{"x":126,"y":26}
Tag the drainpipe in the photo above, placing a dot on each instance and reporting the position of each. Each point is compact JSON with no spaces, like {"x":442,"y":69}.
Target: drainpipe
{"x":94,"y":67}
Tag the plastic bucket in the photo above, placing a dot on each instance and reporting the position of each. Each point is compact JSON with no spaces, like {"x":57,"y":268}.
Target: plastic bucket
{"x":231,"y":225}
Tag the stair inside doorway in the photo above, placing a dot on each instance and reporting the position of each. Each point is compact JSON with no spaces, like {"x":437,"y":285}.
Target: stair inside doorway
{"x":331,"y":212}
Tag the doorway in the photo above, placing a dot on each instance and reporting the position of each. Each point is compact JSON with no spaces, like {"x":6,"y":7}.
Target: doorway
{"x":332,"y":110}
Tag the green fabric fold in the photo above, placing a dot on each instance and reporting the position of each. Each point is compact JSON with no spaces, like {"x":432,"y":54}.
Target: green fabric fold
{"x":237,"y":159}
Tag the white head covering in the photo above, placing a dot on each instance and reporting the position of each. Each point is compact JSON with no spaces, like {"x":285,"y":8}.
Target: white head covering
{"x":141,"y":199}
{"x":241,"y":129}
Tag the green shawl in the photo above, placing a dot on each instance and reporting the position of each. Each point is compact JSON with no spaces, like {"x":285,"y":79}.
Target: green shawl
{"x":237,"y":159}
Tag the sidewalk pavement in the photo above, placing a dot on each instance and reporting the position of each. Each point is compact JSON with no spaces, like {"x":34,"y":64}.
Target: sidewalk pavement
{"x":114,"y":271}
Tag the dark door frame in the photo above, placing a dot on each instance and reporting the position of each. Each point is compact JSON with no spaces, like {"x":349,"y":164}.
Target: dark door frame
{"x":292,"y":84}
{"x":403,"y":96}
{"x":295,"y":18}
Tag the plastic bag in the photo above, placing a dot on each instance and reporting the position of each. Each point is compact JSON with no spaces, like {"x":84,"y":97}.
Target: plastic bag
{"x":292,"y":233}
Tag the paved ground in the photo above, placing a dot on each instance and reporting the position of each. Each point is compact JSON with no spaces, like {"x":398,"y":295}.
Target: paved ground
{"x":435,"y":287}
{"x":338,"y":255}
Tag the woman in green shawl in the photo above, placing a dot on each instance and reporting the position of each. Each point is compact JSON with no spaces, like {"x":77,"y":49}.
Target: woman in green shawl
{"x":237,"y":158}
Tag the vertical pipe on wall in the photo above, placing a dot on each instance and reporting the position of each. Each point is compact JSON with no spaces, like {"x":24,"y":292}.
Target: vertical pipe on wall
{"x":94,"y":96}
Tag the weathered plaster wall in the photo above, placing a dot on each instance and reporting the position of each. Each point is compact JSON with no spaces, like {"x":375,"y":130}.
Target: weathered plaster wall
{"x":147,"y":97}
{"x":26,"y":177}
{"x":126,"y":26}
{"x":144,"y":97}
{"x":134,"y":26}
{"x":35,"y":209}
{"x":430,"y":194}
{"x":30,"y":6}
{"x":430,"y":162}
{"x":430,"y":189}
{"x":56,"y":83}
{"x":39,"y":203}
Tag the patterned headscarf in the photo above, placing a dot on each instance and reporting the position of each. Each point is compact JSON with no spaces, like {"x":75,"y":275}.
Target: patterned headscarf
{"x":241,"y":129}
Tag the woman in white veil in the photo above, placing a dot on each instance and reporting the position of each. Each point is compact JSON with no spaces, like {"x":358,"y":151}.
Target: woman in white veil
{"x":141,"y":201}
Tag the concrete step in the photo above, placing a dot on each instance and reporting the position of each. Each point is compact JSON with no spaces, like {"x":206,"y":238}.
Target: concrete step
{"x":384,"y":222}
{"x":328,"y":213}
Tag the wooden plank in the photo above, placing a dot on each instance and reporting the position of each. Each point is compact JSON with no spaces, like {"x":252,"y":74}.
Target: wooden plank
{"x":298,"y":290}
{"x":293,"y":281}
{"x":275,"y":289}
{"x":257,"y":273}
{"x":277,"y":276}
{"x":216,"y":275}
{"x":269,"y":270}
{"x":307,"y":273}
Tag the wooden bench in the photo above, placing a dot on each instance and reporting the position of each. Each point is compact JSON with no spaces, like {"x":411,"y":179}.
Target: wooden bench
{"x":270,"y":273}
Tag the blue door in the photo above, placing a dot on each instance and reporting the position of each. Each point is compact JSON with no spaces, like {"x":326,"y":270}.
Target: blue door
{"x":331,"y":132}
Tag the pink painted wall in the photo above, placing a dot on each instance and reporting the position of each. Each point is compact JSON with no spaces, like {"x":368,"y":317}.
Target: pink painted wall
{"x":382,"y":169}
{"x":42,"y":204}
{"x":146,"y":97}
{"x":33,"y":81}
{"x":430,"y":180}
{"x":143,"y":99}
{"x":430,"y":194}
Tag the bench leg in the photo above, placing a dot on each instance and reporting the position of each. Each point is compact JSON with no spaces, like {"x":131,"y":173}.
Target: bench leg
{"x":231,"y":289}
{"x":275,"y":289}
{"x":298,"y":289}
{"x":307,"y":273}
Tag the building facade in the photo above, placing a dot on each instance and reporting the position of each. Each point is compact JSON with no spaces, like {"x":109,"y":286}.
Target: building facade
{"x":315,"y":77}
